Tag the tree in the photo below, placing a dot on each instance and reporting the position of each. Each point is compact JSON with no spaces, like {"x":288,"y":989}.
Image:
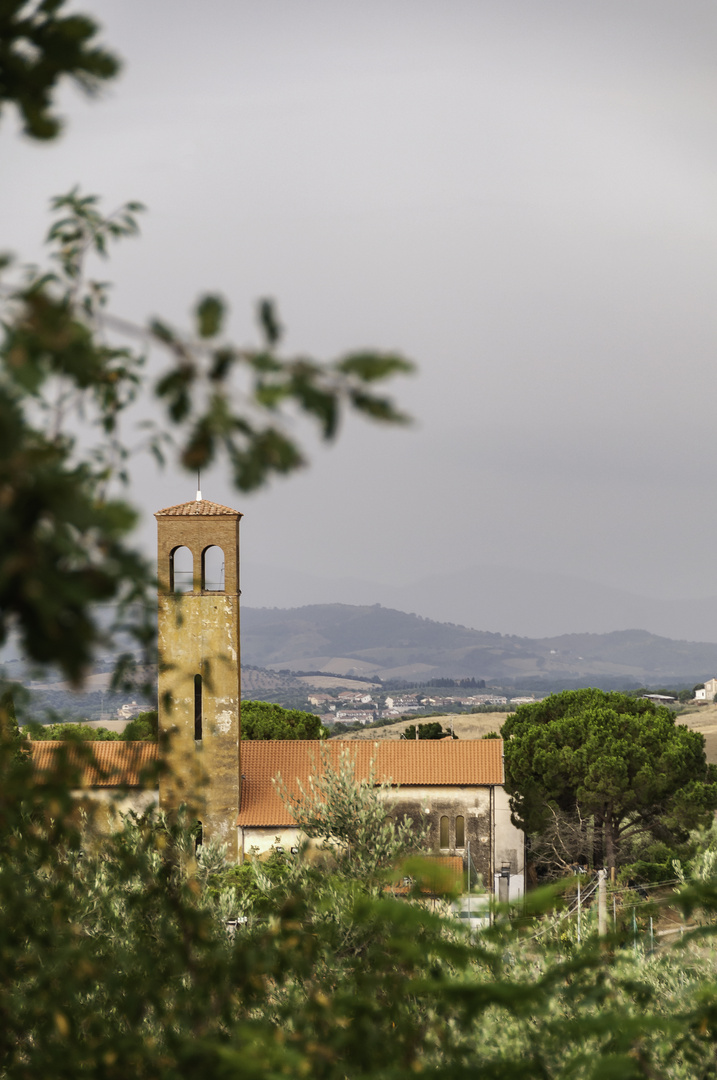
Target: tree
{"x":425,"y":731}
{"x":10,"y":734}
{"x":263,"y":720}
{"x":622,"y":762}
{"x":353,"y":816}
{"x":144,"y":728}
{"x":70,"y":732}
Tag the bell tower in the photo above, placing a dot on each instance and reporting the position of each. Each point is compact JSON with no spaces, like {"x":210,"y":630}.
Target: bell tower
{"x":199,"y":670}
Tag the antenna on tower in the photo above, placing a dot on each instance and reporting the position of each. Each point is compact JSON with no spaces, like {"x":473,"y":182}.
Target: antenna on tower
{"x":199,"y":485}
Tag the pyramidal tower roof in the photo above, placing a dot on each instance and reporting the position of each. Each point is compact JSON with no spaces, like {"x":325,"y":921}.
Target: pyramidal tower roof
{"x":198,"y":508}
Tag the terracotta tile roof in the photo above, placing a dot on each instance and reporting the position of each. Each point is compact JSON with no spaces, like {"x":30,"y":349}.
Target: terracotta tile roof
{"x":198,"y":508}
{"x":425,"y":763}
{"x":113,"y":763}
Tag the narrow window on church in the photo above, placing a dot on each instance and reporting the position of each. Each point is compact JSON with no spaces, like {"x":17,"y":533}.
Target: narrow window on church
{"x":213,"y":569}
{"x":444,"y":841}
{"x":181,"y":570}
{"x":460,"y":832}
{"x":197,"y":707}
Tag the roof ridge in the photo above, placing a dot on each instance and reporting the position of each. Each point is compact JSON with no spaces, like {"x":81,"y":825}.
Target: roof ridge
{"x":198,"y":508}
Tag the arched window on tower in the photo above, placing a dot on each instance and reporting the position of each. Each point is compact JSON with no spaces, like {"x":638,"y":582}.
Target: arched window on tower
{"x":181,"y":570}
{"x":444,"y":840}
{"x":460,"y":832}
{"x":197,"y":707}
{"x":213,"y":569}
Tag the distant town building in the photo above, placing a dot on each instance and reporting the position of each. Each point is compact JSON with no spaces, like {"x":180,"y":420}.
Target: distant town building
{"x":707,"y":692}
{"x":128,"y":710}
{"x":350,"y":716}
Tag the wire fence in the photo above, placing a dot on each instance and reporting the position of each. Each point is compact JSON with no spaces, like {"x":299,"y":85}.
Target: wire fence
{"x":625,"y":912}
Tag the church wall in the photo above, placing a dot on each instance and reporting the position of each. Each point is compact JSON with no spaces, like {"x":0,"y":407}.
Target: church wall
{"x":473,"y":804}
{"x":493,"y":846}
{"x":263,"y":839}
{"x":105,"y":806}
{"x":509,"y":848}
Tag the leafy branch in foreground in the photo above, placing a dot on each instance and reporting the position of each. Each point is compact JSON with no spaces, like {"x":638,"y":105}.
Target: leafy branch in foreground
{"x":38,"y":49}
{"x":118,"y":960}
{"x":65,"y":367}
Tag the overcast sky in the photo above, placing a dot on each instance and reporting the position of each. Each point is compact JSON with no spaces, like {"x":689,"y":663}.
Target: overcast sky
{"x":517,"y":194}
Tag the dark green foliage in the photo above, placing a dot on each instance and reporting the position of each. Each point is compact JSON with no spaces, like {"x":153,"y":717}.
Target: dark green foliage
{"x":70,"y":733}
{"x":144,"y":728}
{"x":117,"y":962}
{"x":620,"y":761}
{"x":261,"y":720}
{"x":38,"y":49}
{"x":10,"y":734}
{"x":61,"y":550}
{"x":426,"y":731}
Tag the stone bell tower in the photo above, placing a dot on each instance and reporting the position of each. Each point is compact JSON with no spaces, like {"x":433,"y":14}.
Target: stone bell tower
{"x":199,"y":670}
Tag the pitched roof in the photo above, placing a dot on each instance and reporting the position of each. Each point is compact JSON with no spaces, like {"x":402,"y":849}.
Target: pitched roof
{"x":425,"y":763}
{"x":110,"y":764}
{"x":198,"y":508}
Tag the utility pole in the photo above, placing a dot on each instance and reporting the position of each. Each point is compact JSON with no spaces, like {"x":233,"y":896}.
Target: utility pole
{"x":468,"y":855}
{"x":602,"y":902}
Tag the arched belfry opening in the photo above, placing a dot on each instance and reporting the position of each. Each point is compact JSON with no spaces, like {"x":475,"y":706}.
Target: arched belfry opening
{"x":181,"y":570}
{"x":213,"y":569}
{"x":199,"y":682}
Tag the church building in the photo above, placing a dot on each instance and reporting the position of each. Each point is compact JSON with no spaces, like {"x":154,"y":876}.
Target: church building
{"x":456,"y":787}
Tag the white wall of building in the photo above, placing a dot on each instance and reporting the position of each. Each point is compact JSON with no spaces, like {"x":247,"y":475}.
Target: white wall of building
{"x":509,"y":847}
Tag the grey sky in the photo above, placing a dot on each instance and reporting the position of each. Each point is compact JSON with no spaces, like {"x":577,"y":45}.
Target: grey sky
{"x":519,"y":195}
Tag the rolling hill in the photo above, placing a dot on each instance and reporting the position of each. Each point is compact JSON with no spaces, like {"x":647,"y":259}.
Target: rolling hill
{"x":377,"y":641}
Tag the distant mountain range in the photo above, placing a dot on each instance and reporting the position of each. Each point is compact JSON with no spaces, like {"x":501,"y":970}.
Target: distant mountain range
{"x":507,"y":600}
{"x":377,"y":641}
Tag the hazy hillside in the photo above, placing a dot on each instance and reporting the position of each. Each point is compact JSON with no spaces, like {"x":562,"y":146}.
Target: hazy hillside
{"x":510,"y":599}
{"x":392,"y":644}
